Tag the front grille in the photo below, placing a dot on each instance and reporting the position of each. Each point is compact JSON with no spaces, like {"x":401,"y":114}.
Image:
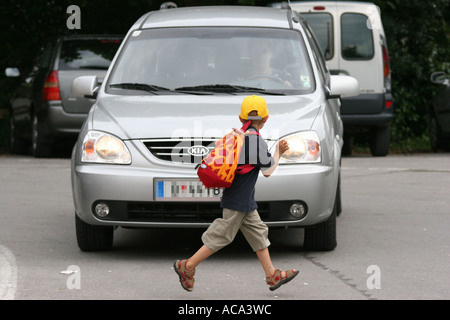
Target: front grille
{"x":174,"y":212}
{"x":183,"y":212}
{"x":180,"y":150}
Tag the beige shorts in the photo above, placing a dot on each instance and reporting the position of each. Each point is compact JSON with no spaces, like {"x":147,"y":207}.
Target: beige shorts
{"x":223,"y":230}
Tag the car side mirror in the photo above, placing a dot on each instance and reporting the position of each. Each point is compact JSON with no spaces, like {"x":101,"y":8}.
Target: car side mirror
{"x":12,"y":72}
{"x":86,"y":87}
{"x":342,"y":86}
{"x":439,"y":77}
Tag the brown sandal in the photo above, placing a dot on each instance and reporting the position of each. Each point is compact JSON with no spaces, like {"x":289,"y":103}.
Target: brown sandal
{"x":186,"y":276}
{"x":277,"y":279}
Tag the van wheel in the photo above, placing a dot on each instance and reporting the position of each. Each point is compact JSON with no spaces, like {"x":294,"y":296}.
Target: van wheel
{"x":93,"y":238}
{"x":322,"y":236}
{"x":379,"y":144}
{"x":348,"y":145}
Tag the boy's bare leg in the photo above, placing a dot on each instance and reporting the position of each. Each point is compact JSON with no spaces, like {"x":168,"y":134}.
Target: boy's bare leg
{"x":266,"y":262}
{"x":202,"y":253}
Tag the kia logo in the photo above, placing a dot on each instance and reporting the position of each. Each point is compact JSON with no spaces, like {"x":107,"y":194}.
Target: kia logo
{"x":198,"y":151}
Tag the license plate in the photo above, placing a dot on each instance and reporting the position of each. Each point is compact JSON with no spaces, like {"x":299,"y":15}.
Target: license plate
{"x":184,"y":190}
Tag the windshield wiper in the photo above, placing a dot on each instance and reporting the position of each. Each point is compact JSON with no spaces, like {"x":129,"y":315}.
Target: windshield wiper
{"x":138,"y":86}
{"x":151,"y":88}
{"x":227,"y":88}
{"x":94,"y":67}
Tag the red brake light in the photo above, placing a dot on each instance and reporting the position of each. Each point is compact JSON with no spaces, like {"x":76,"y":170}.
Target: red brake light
{"x":388,"y":104}
{"x":110,"y":41}
{"x":51,"y":87}
{"x":319,"y":8}
{"x":385,"y":61}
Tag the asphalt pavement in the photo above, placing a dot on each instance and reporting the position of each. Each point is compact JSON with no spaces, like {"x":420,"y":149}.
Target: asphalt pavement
{"x":393,"y":242}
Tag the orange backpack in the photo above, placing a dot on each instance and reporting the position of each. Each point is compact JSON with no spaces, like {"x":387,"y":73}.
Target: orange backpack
{"x":219,"y":167}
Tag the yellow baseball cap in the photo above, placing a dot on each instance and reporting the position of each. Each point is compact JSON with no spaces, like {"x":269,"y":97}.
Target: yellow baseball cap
{"x":254,"y":103}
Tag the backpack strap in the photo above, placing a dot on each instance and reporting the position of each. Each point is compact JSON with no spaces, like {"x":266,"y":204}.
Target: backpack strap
{"x":245,"y":168}
{"x":246,"y":125}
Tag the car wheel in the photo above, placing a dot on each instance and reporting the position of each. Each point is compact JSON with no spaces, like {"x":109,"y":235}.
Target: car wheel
{"x":18,"y":145}
{"x":379,"y":144}
{"x":322,"y":237}
{"x":338,"y":197}
{"x":437,"y":142}
{"x":93,"y":238}
{"x":41,"y":147}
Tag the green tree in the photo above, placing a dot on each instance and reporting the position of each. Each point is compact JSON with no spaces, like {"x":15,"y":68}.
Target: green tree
{"x":418,"y":38}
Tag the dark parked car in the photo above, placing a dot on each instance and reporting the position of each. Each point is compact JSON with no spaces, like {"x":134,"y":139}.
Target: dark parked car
{"x":440,"y":113}
{"x":43,"y":106}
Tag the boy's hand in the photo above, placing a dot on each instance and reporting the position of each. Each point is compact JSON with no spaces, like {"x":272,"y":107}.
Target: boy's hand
{"x":283,"y":146}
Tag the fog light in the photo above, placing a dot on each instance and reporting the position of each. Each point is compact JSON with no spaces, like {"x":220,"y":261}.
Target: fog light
{"x":297,"y":210}
{"x":102,"y":209}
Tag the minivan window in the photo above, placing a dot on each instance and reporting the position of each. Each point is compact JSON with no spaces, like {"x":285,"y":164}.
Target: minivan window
{"x":322,"y":24}
{"x":357,"y":41}
{"x":88,"y":53}
{"x":211,"y":59}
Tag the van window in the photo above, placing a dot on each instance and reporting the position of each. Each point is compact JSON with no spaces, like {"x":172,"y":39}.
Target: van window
{"x":88,"y":54}
{"x":318,"y":56}
{"x":357,"y":41}
{"x":322,"y":25}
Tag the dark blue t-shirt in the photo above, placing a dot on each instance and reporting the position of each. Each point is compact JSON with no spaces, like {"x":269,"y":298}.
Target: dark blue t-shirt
{"x":240,"y":195}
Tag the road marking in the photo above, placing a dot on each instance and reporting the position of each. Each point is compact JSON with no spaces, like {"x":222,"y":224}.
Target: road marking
{"x":8,"y":274}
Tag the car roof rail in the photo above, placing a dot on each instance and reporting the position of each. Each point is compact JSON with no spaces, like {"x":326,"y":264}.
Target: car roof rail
{"x":168,"y":5}
{"x":286,"y":5}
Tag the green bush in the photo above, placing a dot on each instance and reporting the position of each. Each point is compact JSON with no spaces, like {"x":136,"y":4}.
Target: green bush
{"x":418,"y":37}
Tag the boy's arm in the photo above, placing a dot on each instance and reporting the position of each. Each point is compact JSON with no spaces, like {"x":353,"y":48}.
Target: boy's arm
{"x":282,"y":147}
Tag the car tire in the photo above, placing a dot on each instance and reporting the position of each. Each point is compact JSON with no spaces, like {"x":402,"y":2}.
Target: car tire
{"x":379,"y":144}
{"x":437,"y":141}
{"x":40,"y":145}
{"x":18,"y":144}
{"x":338,"y":197}
{"x":93,"y":238}
{"x":322,"y":236}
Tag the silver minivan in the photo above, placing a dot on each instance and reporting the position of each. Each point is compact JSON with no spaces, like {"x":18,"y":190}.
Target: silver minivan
{"x":353,"y":42}
{"x":174,"y":87}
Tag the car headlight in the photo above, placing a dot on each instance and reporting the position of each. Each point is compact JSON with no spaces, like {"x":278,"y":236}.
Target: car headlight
{"x":304,"y":147}
{"x":101,"y":147}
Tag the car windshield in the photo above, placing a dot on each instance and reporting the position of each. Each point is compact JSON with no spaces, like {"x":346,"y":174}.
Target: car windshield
{"x":212,"y":60}
{"x":88,"y":53}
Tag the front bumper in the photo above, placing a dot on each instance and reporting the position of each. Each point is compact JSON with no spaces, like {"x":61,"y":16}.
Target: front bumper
{"x":129,"y":192}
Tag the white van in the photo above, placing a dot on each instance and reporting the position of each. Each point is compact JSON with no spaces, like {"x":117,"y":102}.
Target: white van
{"x":353,"y":42}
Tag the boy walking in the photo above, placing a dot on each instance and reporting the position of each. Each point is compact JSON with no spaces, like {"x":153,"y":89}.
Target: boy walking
{"x":239,"y":205}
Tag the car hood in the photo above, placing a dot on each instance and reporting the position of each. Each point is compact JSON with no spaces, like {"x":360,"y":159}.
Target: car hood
{"x":174,"y":116}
